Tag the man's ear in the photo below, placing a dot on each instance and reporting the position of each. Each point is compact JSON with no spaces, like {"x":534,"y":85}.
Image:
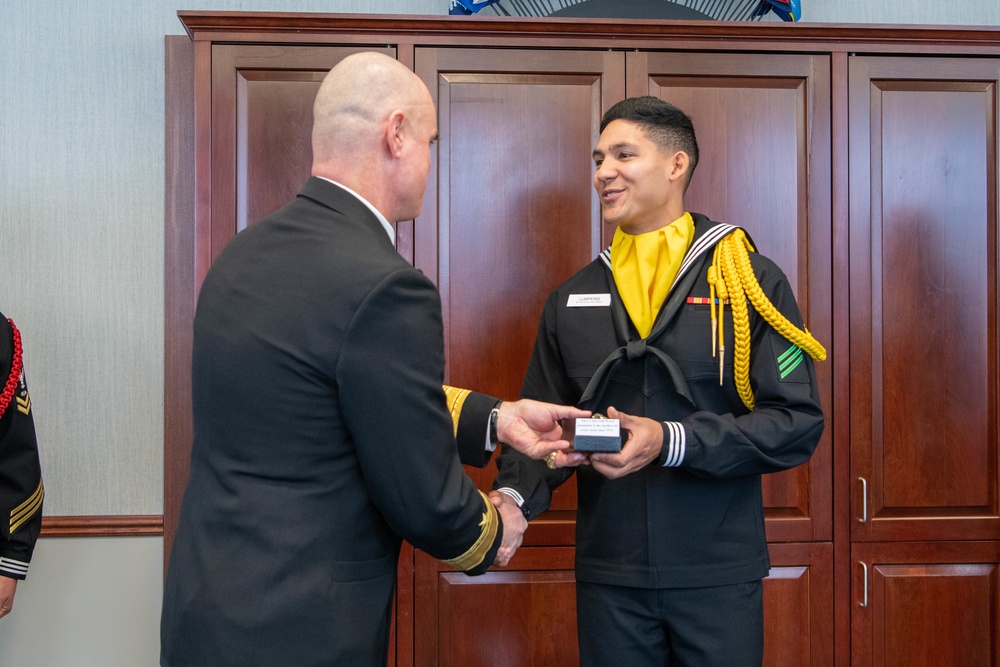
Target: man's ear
{"x":394,"y":133}
{"x":679,"y":164}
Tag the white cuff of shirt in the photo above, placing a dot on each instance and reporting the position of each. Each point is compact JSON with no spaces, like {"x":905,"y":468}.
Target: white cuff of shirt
{"x":518,"y":498}
{"x":490,"y":445}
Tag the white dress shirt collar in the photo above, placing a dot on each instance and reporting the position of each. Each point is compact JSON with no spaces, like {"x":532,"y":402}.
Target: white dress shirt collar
{"x":381,"y":218}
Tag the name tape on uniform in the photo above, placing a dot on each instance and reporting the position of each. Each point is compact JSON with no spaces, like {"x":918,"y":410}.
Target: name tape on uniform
{"x":588,"y":300}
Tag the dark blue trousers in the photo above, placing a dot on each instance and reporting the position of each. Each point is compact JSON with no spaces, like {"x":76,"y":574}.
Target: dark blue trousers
{"x":720,"y":626}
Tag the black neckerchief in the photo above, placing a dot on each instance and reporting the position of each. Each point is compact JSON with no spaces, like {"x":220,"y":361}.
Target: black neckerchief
{"x":706,"y":236}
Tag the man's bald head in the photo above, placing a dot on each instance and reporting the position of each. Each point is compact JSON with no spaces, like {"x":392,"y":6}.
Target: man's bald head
{"x":373,"y":124}
{"x":355,"y":97}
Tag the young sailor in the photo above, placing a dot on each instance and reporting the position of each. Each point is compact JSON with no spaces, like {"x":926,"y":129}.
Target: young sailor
{"x":696,"y":343}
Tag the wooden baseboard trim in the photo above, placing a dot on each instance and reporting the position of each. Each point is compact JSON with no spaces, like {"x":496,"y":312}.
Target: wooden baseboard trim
{"x":122,"y":525}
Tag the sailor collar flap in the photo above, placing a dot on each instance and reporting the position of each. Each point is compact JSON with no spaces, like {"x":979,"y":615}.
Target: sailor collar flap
{"x":706,"y":235}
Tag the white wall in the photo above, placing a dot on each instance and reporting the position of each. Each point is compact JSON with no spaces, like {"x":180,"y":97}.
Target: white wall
{"x":81,"y":273}
{"x":959,"y":12}
{"x":87,"y":601}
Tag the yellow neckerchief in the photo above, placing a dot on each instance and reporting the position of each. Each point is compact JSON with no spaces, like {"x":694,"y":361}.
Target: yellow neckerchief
{"x":644,"y":267}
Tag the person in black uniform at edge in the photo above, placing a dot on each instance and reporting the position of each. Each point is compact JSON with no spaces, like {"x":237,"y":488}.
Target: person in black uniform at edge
{"x":323,"y":435}
{"x":696,"y":344}
{"x":21,"y":489}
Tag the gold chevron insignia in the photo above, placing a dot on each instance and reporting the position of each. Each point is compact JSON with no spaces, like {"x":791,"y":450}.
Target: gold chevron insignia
{"x":27,"y":509}
{"x":24,"y":404}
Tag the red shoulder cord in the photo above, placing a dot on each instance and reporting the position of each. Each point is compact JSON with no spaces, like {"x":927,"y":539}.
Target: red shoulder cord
{"x":15,"y":371}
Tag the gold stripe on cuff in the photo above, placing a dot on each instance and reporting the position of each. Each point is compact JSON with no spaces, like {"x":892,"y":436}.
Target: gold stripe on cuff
{"x":456,"y":399}
{"x":477,"y":552}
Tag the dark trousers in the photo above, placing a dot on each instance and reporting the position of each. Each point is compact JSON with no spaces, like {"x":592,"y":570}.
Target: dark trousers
{"x":720,"y":626}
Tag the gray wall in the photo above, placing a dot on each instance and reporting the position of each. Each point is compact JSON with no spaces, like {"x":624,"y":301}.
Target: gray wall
{"x":81,"y":273}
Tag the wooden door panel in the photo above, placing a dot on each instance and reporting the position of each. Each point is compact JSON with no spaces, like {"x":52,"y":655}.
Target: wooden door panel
{"x":509,"y":211}
{"x":923,"y":298}
{"x":926,"y":604}
{"x":798,"y":606}
{"x":522,"y":615}
{"x":764,"y":137}
{"x":273,"y":138}
{"x":261,"y":125}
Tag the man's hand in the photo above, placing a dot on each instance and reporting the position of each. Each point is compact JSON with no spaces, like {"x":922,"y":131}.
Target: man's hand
{"x":7,"y":588}
{"x":514,"y":525}
{"x":532,"y":427}
{"x":644,"y":444}
{"x":568,"y":458}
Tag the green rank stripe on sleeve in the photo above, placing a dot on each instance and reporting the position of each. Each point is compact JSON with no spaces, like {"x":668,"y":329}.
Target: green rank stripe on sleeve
{"x":790,"y":359}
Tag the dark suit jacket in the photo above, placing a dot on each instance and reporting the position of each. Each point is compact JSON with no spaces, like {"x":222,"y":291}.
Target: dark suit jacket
{"x":321,"y":439}
{"x":21,"y":488}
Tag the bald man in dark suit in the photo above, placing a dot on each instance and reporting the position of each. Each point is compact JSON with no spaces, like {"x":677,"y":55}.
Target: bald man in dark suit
{"x":322,"y":433}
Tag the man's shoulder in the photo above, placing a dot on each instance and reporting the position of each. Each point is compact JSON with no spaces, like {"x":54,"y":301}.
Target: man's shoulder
{"x":594,"y":273}
{"x":591,"y":278}
{"x":713,"y":231}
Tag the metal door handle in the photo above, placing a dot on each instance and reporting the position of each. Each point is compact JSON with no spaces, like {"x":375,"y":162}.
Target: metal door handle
{"x":864,"y":585}
{"x":864,"y":500}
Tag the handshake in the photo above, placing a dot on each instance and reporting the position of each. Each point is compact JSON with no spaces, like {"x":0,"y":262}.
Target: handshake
{"x":532,"y":428}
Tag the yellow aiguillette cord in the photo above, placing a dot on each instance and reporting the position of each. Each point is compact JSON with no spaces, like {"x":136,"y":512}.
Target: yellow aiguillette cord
{"x":731,"y":277}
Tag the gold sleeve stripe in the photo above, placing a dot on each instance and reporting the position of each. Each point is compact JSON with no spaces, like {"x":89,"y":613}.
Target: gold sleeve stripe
{"x":456,"y":399}
{"x":27,"y":509}
{"x":477,"y":552}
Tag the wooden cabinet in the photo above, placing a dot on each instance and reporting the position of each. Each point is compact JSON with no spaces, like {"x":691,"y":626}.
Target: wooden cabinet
{"x":862,"y":160}
{"x":924,"y":364}
{"x":926,"y":604}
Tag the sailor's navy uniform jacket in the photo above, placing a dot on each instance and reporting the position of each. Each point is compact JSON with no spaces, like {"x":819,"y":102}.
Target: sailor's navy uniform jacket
{"x":21,"y":490}
{"x":695,"y":517}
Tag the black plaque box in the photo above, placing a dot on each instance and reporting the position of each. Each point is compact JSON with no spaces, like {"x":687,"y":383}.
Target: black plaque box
{"x":593,"y":434}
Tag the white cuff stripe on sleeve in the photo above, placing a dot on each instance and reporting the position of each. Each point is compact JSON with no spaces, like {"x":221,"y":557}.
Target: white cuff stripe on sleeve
{"x":675,"y":445}
{"x":13,"y":566}
{"x":518,"y":498}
